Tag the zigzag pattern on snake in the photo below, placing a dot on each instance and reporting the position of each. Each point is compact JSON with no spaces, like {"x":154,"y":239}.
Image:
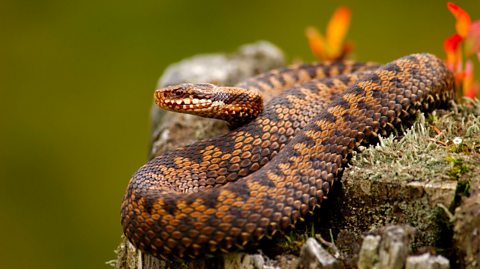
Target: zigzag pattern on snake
{"x":232,"y":191}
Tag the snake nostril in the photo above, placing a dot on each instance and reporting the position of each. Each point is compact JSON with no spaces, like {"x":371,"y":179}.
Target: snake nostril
{"x":159,"y":96}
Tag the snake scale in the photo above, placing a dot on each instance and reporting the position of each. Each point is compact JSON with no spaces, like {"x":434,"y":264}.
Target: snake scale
{"x":231,"y":192}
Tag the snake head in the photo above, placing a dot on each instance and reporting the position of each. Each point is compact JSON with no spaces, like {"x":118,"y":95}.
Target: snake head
{"x":232,"y":104}
{"x":188,"y":98}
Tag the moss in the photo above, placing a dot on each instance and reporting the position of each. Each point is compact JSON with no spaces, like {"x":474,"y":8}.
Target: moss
{"x":403,"y":179}
{"x":458,"y":167}
{"x":292,"y":243}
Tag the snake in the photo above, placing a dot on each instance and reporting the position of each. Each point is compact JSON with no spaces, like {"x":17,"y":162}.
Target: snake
{"x":280,"y":158}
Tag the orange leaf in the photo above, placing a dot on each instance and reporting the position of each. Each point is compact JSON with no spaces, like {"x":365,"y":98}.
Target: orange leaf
{"x":462,"y":17}
{"x":468,"y":89}
{"x":473,"y":91}
{"x":337,"y":29}
{"x":451,"y":46}
{"x":332,"y":46}
{"x":316,"y":42}
{"x":452,"y":42}
{"x":472,"y":42}
{"x":459,"y":76}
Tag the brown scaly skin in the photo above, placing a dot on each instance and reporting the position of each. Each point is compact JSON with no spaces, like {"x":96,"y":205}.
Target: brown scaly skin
{"x":162,"y":220}
{"x":216,"y":161}
{"x":235,"y":105}
{"x":239,"y":105}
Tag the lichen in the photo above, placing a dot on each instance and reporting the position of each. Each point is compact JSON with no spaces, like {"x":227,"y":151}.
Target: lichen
{"x":412,"y":177}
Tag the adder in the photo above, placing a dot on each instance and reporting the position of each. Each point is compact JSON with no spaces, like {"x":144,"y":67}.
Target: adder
{"x":281,"y":157}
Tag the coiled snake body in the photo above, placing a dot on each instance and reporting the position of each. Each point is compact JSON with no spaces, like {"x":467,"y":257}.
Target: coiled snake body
{"x":232,"y":191}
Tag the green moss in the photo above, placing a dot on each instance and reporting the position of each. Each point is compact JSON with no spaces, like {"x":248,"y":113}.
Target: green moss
{"x":458,"y":167}
{"x":292,"y":242}
{"x":439,"y":151}
{"x":432,"y":118}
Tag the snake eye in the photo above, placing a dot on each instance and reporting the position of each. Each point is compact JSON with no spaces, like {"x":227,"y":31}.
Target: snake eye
{"x":178,"y":93}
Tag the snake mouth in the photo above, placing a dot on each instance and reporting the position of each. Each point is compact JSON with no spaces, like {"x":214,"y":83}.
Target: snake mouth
{"x":185,"y":104}
{"x":187,"y":97}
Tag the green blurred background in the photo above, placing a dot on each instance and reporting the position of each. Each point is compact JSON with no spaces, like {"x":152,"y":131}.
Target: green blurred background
{"x":76,"y":81}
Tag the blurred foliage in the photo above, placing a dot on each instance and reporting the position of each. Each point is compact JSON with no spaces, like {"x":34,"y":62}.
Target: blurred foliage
{"x":76,"y":81}
{"x":461,"y":48}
